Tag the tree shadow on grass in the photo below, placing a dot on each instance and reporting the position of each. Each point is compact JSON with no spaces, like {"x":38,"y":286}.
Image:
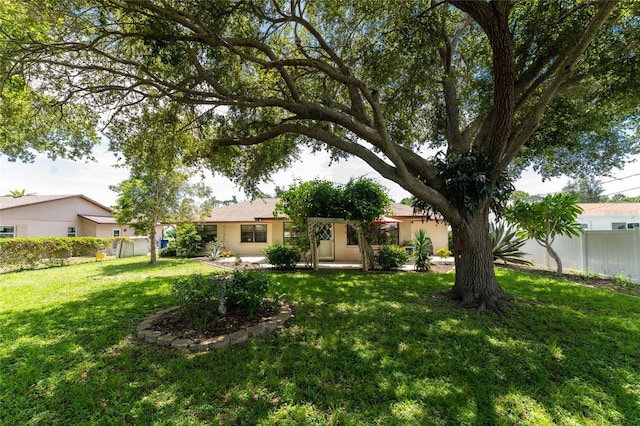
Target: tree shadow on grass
{"x":363,"y":348}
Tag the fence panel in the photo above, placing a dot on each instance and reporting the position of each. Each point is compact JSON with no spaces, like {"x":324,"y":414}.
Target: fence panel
{"x":613,"y":253}
{"x":600,"y":252}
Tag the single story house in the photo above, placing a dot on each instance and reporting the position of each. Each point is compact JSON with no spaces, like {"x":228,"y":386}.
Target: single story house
{"x":609,"y":216}
{"x":58,"y":216}
{"x":247,"y":228}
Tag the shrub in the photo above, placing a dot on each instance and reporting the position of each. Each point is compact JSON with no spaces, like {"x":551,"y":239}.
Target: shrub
{"x":203,"y":300}
{"x":188,"y":241}
{"x":30,"y":253}
{"x":443,"y":252}
{"x":169,"y":250}
{"x":199,"y":298}
{"x":391,"y":257}
{"x":247,"y":291}
{"x":282,"y":256}
{"x":422,"y":248}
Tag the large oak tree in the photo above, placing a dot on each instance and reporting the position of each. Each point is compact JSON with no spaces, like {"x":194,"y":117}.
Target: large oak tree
{"x":489,"y":83}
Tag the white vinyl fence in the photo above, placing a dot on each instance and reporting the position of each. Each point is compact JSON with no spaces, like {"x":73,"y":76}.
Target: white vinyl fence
{"x":611,"y":253}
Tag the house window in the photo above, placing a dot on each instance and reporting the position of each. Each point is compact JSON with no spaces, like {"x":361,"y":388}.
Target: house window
{"x":382,"y":234}
{"x":253,"y":233}
{"x":208,"y":232}
{"x":7,"y":231}
{"x":116,"y":233}
{"x":72,"y":231}
{"x":584,"y":226}
{"x":290,"y":232}
{"x":633,"y":225}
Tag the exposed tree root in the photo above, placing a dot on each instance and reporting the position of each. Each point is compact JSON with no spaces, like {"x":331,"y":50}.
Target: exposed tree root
{"x":480,"y":302}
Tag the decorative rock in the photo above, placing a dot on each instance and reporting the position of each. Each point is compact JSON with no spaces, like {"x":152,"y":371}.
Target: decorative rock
{"x":238,"y":337}
{"x":199,"y":346}
{"x":270,"y":326}
{"x":151,"y":336}
{"x":282,"y":317}
{"x":181,"y":343}
{"x":165,"y":340}
{"x":144,"y":325}
{"x":218,"y":342}
{"x":142,"y":334}
{"x":256,"y":330}
{"x":145,"y":331}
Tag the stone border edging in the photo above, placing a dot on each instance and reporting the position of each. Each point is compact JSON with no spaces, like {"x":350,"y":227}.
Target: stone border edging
{"x":146,"y":332}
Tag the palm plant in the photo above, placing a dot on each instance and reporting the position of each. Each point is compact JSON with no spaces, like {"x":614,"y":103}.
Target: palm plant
{"x":422,"y":250}
{"x":16,"y":193}
{"x":507,"y":245}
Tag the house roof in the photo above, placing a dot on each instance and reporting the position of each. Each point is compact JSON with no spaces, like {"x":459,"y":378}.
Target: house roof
{"x":262,"y":209}
{"x":100,"y":220}
{"x":609,"y":209}
{"x":28,"y":200}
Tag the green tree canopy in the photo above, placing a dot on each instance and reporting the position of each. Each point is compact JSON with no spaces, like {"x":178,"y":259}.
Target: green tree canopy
{"x":159,"y":188}
{"x":545,"y":219}
{"x":545,"y":83}
{"x":360,"y":200}
{"x":586,"y":190}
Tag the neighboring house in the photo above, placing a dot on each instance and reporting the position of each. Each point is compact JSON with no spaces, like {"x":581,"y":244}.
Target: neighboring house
{"x":609,"y":216}
{"x":58,"y":216}
{"x":249,"y":227}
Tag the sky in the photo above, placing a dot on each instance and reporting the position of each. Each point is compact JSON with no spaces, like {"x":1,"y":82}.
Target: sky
{"x":92,"y":179}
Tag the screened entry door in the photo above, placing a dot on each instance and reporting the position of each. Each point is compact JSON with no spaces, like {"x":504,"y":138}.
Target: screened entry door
{"x":325,"y":237}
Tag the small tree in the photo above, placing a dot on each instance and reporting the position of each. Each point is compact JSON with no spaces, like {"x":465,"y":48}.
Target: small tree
{"x":544,"y":220}
{"x":146,"y":200}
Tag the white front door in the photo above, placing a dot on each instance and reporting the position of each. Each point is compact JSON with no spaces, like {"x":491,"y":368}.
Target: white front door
{"x":325,"y":237}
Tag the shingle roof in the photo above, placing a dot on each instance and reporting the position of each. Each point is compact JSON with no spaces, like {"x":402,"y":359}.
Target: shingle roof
{"x":249,"y":211}
{"x":607,"y":209}
{"x":13,"y":202}
{"x":101,"y":220}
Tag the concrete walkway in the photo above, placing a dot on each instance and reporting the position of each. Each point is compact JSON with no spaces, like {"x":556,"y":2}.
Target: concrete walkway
{"x":262,"y":261}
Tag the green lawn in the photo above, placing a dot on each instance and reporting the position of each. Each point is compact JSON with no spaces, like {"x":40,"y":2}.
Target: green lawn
{"x":362,"y":349}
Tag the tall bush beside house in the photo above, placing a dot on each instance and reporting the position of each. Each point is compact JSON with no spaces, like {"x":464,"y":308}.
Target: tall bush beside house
{"x":422,"y":249}
{"x":188,"y":242}
{"x":282,"y":256}
{"x":391,"y":257}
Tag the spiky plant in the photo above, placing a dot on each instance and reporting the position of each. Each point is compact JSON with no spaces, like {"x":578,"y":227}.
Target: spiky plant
{"x":507,"y":245}
{"x":422,"y":250}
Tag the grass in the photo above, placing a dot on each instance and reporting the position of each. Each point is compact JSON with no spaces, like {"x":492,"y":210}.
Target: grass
{"x":361,"y":349}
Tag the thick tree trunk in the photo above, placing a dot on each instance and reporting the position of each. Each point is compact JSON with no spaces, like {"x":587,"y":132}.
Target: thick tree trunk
{"x":476,"y":284}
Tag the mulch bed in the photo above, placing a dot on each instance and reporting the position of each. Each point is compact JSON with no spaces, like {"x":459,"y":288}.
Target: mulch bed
{"x":175,"y":324}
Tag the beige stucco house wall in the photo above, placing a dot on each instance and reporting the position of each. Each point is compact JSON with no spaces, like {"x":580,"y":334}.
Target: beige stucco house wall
{"x":58,"y":216}
{"x":230,"y":219}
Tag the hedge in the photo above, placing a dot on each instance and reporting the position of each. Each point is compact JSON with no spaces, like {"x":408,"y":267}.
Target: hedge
{"x":29,"y":253}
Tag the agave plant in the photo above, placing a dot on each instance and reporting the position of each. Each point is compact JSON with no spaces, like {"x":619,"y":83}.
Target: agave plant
{"x":507,"y":245}
{"x":422,"y":248}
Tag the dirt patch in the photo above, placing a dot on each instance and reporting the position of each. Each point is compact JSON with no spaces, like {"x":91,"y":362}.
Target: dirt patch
{"x":442,"y":267}
{"x":175,"y":324}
